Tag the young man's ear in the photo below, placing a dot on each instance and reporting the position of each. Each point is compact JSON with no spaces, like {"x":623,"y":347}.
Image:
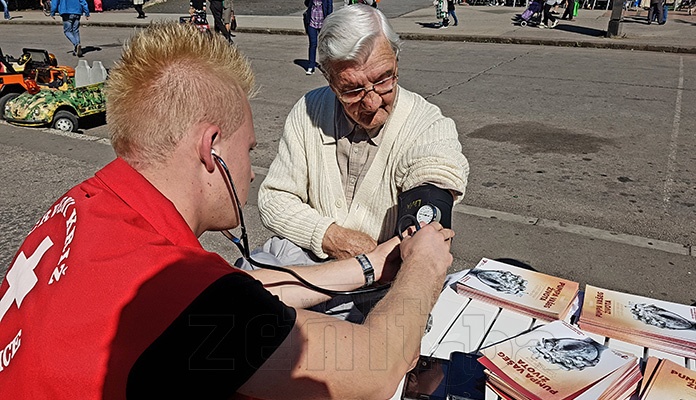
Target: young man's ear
{"x":206,"y":146}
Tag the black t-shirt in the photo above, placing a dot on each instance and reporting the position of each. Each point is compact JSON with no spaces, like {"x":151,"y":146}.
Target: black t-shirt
{"x":215,"y":345}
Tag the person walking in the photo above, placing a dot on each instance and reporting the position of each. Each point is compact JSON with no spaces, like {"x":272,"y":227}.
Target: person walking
{"x":6,"y":10}
{"x":665,"y":8}
{"x":138,"y":5}
{"x":450,"y":11}
{"x":313,"y":18}
{"x":656,"y":8}
{"x":71,"y":11}
{"x":216,"y":7}
{"x":98,"y":6}
{"x":228,"y":16}
{"x":548,"y":6}
{"x":442,"y":12}
{"x":569,"y":10}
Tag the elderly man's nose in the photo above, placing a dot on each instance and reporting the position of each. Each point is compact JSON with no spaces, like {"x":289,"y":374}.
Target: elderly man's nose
{"x":372,"y":100}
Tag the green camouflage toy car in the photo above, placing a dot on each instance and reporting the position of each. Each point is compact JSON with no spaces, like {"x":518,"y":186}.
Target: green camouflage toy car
{"x":35,"y":68}
{"x":60,"y":107}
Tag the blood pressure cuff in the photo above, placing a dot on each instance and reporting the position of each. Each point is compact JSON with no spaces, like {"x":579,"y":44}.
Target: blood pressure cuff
{"x":425,"y":203}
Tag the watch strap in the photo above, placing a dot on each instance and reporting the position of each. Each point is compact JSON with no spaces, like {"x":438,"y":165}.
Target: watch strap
{"x":367,"y":269}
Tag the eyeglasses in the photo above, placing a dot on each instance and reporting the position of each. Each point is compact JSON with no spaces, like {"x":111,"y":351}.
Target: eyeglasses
{"x":382,"y":87}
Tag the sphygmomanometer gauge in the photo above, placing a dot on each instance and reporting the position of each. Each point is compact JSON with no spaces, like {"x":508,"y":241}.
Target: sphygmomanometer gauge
{"x":427,"y":214}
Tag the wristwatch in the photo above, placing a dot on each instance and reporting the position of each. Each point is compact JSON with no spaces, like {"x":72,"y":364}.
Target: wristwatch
{"x":368,"y":271}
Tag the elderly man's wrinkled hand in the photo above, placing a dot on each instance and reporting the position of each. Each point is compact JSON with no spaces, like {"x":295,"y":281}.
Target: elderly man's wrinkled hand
{"x":341,"y":243}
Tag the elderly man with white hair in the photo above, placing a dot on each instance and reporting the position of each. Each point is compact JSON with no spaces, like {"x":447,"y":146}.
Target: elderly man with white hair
{"x":349,"y":149}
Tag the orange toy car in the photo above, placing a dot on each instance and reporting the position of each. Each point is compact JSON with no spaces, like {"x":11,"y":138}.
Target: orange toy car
{"x":35,"y":68}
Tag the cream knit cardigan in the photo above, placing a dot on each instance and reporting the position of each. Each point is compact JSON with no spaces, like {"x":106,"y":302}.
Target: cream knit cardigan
{"x":302,"y":194}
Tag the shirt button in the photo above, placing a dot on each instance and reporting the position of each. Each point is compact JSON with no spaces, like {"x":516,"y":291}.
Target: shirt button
{"x":352,"y":180}
{"x":339,"y":203}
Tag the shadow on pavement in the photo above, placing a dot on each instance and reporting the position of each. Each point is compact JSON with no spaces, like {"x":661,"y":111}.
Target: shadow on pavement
{"x":681,"y":21}
{"x":431,"y":25}
{"x":304,"y":64}
{"x":635,"y":20}
{"x":581,"y":30}
{"x":89,"y":49}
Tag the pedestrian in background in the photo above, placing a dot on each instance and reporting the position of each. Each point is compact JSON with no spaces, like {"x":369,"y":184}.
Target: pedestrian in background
{"x":668,"y":4}
{"x":548,"y":6}
{"x":228,"y":16}
{"x":569,"y":10}
{"x":442,"y":12}
{"x":317,"y":11}
{"x":216,"y":7}
{"x":138,"y":5}
{"x":98,"y":6}
{"x":6,"y":10}
{"x":656,"y":7}
{"x":71,"y":11}
{"x":450,"y":11}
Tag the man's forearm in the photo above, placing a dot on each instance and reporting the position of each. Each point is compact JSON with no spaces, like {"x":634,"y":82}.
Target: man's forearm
{"x":340,"y":275}
{"x":402,"y":315}
{"x":343,"y":275}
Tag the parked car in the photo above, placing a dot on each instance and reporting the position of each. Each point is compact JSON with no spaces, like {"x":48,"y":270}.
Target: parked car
{"x":32,"y":70}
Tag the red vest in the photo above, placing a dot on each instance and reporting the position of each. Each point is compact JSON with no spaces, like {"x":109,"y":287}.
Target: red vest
{"x":101,"y":275}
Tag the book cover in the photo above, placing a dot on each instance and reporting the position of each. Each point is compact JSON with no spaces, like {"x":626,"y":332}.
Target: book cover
{"x":525,"y":290}
{"x":670,"y":381}
{"x":554,"y":361}
{"x":648,"y":373}
{"x":640,"y":316}
{"x":446,"y":310}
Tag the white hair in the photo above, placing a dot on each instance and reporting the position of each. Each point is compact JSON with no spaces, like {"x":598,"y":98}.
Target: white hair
{"x":350,"y":34}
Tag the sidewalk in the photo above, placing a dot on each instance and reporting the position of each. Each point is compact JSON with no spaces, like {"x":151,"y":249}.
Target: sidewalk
{"x":476,"y":24}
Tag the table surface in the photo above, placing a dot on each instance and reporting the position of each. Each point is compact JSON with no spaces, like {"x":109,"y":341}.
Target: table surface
{"x":463,"y":324}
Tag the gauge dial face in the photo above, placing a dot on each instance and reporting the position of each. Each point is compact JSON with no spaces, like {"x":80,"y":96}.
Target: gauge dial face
{"x":426,"y":214}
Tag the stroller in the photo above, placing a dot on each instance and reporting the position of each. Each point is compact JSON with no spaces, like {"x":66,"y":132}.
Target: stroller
{"x":532,"y":15}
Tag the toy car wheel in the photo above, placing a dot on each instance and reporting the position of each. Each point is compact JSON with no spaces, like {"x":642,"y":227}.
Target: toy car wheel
{"x":65,"y":121}
{"x":3,"y":100}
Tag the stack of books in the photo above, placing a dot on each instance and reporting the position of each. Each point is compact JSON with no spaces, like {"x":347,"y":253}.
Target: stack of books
{"x":665,"y":379}
{"x":528,"y":292}
{"x":652,"y":323}
{"x":558,"y":361}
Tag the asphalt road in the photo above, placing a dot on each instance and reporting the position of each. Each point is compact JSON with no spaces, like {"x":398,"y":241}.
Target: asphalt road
{"x":601,"y":139}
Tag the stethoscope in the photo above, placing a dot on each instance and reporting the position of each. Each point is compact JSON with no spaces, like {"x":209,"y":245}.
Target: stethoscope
{"x":242,"y":243}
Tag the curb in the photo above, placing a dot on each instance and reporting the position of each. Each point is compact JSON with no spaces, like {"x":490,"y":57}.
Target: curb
{"x":614,"y":44}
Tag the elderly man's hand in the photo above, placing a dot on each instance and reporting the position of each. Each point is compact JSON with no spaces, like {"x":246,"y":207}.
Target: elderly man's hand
{"x":341,"y":243}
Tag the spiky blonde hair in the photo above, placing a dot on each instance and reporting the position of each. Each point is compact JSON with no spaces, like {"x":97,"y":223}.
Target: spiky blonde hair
{"x":171,"y":77}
